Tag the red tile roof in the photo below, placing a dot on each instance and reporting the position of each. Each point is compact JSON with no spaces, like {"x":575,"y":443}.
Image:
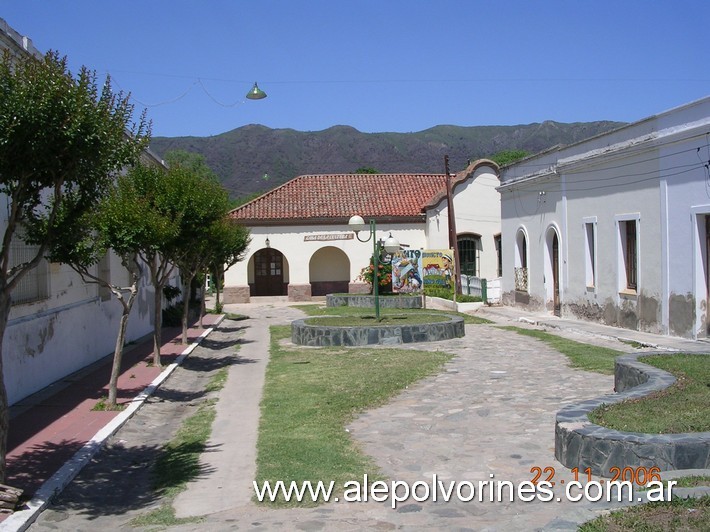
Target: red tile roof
{"x":318,"y":198}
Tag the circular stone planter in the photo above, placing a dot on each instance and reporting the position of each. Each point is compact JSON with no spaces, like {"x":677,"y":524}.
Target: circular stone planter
{"x":368,"y":301}
{"x":374,"y":334}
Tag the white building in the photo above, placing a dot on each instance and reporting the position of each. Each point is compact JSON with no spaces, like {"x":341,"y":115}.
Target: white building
{"x":59,"y":324}
{"x":302,"y":246}
{"x":615,"y":228}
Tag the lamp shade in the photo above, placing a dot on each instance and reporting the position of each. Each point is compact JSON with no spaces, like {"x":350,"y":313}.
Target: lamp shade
{"x":256,"y":93}
{"x":356,"y":223}
{"x":391,"y":244}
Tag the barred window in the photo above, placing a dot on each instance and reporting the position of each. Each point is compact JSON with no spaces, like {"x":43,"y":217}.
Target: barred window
{"x":34,"y":285}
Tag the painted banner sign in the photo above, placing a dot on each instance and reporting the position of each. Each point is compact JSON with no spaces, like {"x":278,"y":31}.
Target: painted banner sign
{"x":407,"y":271}
{"x":438,"y":267}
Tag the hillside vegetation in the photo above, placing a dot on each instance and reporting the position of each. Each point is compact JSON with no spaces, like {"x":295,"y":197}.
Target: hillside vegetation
{"x":254,"y":158}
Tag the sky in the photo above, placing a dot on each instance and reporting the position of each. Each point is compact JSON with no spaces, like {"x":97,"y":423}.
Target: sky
{"x":394,"y":66}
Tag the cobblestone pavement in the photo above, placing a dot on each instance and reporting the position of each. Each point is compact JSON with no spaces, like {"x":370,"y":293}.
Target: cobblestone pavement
{"x":488,"y":416}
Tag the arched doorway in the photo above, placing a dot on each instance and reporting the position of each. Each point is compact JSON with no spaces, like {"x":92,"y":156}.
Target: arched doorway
{"x":329,"y":271}
{"x":268,"y":273}
{"x":552,"y":270}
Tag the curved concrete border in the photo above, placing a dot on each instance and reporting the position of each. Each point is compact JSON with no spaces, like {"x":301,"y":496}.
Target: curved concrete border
{"x":323,"y":335}
{"x":368,"y":301}
{"x":582,"y":444}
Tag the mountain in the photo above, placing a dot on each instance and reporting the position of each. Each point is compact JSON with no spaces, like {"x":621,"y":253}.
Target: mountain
{"x":253,"y":159}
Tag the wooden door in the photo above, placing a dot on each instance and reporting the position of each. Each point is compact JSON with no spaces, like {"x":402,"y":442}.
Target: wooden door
{"x":268,"y":273}
{"x":556,"y":275}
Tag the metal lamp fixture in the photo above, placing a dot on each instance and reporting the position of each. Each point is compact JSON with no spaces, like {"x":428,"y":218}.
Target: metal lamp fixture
{"x":256,"y":93}
{"x":391,"y":245}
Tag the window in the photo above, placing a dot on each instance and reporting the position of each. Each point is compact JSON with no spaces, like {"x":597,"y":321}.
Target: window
{"x":590,"y":255}
{"x":470,"y":255}
{"x":34,"y":285}
{"x":499,"y":253}
{"x":628,"y":253}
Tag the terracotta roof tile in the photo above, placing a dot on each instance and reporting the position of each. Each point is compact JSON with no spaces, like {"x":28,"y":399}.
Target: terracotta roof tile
{"x":339,"y":196}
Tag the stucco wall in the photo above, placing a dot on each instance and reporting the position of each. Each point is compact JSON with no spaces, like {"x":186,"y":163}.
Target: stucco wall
{"x":651,"y":172}
{"x":477,"y":211}
{"x":47,"y":340}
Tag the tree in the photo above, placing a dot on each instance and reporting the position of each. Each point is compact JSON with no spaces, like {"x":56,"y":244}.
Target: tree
{"x":114,"y":225}
{"x":62,"y":141}
{"x":227,"y":244}
{"x":205,"y":230}
{"x":504,"y":158}
{"x":157,"y":201}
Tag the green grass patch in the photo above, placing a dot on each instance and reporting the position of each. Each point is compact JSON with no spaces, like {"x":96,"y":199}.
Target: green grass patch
{"x":177,"y":465}
{"x":368,"y":321}
{"x":218,"y":380}
{"x":321,"y":310}
{"x":693,"y":481}
{"x":682,"y":407}
{"x":310,"y":395}
{"x":582,"y":356}
{"x":678,"y":514}
{"x":103,"y":406}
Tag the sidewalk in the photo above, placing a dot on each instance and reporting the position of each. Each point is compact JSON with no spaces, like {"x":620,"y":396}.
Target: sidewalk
{"x":516,"y":316}
{"x":48,"y":428}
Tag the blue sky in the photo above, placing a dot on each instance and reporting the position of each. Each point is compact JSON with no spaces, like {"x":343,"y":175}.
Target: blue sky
{"x":381,"y":65}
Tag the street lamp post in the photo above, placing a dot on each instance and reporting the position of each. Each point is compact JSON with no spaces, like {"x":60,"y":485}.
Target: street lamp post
{"x":391,"y":245}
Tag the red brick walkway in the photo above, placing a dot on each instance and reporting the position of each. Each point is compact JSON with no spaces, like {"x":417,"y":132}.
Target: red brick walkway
{"x":43,"y":437}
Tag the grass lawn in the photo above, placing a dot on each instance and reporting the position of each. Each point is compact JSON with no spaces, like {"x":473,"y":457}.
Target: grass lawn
{"x":679,"y":514}
{"x":682,"y":407}
{"x":582,"y":356}
{"x":322,"y":310}
{"x":310,"y":395}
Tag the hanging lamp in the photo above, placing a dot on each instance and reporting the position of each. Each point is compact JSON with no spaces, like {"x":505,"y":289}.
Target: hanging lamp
{"x":256,"y":93}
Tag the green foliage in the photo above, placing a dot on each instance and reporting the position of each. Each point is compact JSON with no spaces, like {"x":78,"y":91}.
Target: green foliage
{"x":62,"y":141}
{"x":448,"y":293}
{"x":506,"y":157}
{"x":384,"y":276}
{"x":366,"y":170}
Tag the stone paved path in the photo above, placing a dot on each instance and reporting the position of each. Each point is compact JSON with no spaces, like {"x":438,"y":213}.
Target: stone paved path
{"x":491,"y":412}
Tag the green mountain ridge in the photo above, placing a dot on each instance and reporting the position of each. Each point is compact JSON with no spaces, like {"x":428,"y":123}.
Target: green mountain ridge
{"x":254,"y":158}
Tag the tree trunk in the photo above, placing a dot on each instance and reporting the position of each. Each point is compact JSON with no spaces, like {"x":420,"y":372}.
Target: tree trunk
{"x":216,"y":291}
{"x":203,"y":306}
{"x":5,"y":304}
{"x":186,"y":306}
{"x":118,"y":351}
{"x":158,"y":320}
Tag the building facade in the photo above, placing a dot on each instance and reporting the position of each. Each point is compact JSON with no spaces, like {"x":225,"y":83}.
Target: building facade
{"x":302,"y":246}
{"x":614,"y":229}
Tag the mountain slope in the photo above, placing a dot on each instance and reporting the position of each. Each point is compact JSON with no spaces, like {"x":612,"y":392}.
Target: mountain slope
{"x":255,"y":158}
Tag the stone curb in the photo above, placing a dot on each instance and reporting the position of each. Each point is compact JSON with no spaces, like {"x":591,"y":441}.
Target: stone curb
{"x":580,"y":443}
{"x":323,"y":335}
{"x":21,"y":520}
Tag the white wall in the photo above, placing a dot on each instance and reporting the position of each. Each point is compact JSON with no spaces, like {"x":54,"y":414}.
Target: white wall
{"x":47,"y":340}
{"x":652,"y":172}
{"x":297,"y":251}
{"x":477,"y":211}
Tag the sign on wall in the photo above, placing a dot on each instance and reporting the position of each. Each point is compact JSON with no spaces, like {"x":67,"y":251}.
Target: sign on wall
{"x":407,"y":271}
{"x":438,"y":268}
{"x":328,"y":236}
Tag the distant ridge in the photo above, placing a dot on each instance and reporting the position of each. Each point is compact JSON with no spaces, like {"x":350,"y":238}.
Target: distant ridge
{"x":255,"y":158}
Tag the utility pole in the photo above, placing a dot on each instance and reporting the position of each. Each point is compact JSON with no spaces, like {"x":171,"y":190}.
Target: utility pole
{"x":453,"y":240}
